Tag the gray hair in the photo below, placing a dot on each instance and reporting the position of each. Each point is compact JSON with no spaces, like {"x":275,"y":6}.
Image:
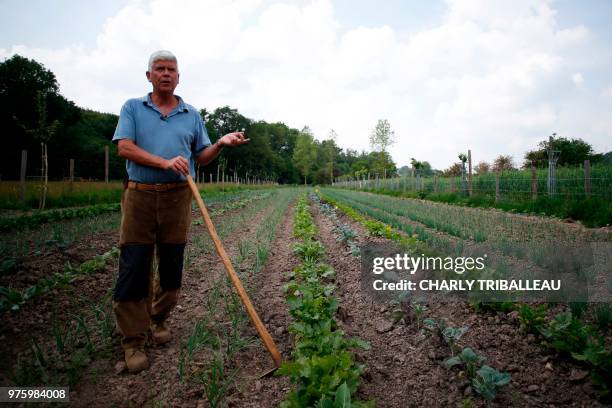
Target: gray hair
{"x":161,"y":55}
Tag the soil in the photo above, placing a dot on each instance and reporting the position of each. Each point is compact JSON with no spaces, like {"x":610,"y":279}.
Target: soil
{"x":403,"y":364}
{"x":160,"y":384}
{"x":101,"y":386}
{"x":268,"y":295}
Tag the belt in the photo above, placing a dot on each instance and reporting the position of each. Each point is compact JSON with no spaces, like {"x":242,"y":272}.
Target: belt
{"x":133,"y":185}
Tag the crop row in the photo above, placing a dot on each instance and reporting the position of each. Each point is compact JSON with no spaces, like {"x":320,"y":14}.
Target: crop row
{"x":25,"y":222}
{"x":468,"y":223}
{"x":513,"y":256}
{"x":322,"y":364}
{"x":76,"y":341}
{"x":345,"y":233}
{"x":565,"y":333}
{"x":484,"y":379}
{"x":12,"y":299}
{"x":216,"y":341}
{"x":63,"y":234}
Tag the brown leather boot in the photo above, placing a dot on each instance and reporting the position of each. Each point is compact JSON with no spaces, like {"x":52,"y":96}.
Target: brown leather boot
{"x":160,"y":333}
{"x":136,"y":360}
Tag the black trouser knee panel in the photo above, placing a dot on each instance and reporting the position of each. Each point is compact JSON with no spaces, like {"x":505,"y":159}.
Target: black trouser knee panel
{"x":134,"y":272}
{"x":170,"y":265}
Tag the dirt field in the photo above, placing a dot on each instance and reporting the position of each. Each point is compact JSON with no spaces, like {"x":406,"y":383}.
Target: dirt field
{"x":65,"y":336}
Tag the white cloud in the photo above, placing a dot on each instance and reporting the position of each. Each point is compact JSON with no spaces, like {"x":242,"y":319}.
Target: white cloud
{"x":577,"y":79}
{"x":492,"y":77}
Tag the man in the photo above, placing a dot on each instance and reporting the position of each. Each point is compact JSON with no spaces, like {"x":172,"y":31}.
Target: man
{"x":160,"y":136}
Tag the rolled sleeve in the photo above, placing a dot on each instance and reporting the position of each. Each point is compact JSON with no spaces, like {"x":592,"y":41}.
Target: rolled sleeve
{"x":201,"y":140}
{"x":126,"y":126}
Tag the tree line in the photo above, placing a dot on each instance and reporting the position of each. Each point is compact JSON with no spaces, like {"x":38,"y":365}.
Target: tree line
{"x":37,"y":118}
{"x":35,"y":113}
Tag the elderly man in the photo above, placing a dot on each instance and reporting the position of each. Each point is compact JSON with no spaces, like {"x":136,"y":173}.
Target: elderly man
{"x":161,"y":137}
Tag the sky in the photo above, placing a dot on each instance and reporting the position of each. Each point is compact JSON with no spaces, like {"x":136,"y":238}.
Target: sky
{"x":492,"y":76}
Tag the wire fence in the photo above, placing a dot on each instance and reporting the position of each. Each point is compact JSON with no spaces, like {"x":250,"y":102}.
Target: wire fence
{"x":570,"y":183}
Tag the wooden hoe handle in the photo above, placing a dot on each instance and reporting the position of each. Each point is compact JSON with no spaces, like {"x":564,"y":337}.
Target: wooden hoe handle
{"x":261,"y":329}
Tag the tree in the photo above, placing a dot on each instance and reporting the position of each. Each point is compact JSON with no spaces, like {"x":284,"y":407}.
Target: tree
{"x":333,"y":136}
{"x":382,"y":136}
{"x":24,"y":85}
{"x":453,"y":171}
{"x":305,"y":152}
{"x":44,"y":132}
{"x":403,"y":171}
{"x":416,"y":165}
{"x":573,"y":152}
{"x":482,"y":168}
{"x":503,"y":163}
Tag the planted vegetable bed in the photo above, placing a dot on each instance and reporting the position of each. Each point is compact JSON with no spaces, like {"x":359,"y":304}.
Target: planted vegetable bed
{"x":298,"y":255}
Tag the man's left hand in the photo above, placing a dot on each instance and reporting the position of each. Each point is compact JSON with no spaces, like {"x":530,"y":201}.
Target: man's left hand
{"x":233,"y":139}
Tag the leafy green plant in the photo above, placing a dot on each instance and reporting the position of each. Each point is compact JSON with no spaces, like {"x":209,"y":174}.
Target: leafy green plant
{"x":322,"y":365}
{"x":468,"y":358}
{"x":309,"y":250}
{"x":451,"y":335}
{"x":26,"y":222}
{"x":488,"y":380}
{"x":532,"y":319}
{"x":599,"y":358}
{"x":12,"y":299}
{"x":7,"y":266}
{"x":419,"y":312}
{"x":602,"y":315}
{"x":216,"y":380}
{"x":566,"y":334}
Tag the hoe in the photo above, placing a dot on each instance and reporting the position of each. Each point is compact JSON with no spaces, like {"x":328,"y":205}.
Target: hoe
{"x":261,"y":329}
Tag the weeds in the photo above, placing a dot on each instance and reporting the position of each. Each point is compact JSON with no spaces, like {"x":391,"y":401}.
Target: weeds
{"x":74,"y":343}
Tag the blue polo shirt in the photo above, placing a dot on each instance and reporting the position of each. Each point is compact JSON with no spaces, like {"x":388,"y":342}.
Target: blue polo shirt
{"x":182,"y":133}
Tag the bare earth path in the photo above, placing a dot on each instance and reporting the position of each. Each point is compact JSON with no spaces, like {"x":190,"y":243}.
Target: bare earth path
{"x":268,"y":297}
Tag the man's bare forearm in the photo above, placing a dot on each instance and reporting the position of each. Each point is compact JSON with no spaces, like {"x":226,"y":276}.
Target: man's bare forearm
{"x":128,"y":150}
{"x":209,"y":154}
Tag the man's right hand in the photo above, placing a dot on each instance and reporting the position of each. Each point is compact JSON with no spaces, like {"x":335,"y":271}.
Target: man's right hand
{"x":178,"y":164}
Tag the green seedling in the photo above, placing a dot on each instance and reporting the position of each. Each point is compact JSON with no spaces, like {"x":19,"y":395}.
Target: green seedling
{"x":451,"y":335}
{"x":531,"y":319}
{"x":468,"y":358}
{"x":488,"y":380}
{"x":419,"y":311}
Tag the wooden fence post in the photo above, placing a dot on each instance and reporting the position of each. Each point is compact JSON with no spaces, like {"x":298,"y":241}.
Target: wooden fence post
{"x":106,"y":160}
{"x":470,"y":173}
{"x":534,"y":183}
{"x":71,"y":174}
{"x":22,"y":175}
{"x":587,"y":178}
{"x":496,"y":185}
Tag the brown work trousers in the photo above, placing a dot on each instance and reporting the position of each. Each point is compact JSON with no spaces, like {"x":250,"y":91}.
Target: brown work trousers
{"x":152,"y":222}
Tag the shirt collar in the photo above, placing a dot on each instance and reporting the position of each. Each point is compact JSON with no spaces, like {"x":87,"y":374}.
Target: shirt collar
{"x":181,"y":107}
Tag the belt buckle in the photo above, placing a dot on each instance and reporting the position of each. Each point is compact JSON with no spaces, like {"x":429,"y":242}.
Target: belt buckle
{"x":159,"y":187}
